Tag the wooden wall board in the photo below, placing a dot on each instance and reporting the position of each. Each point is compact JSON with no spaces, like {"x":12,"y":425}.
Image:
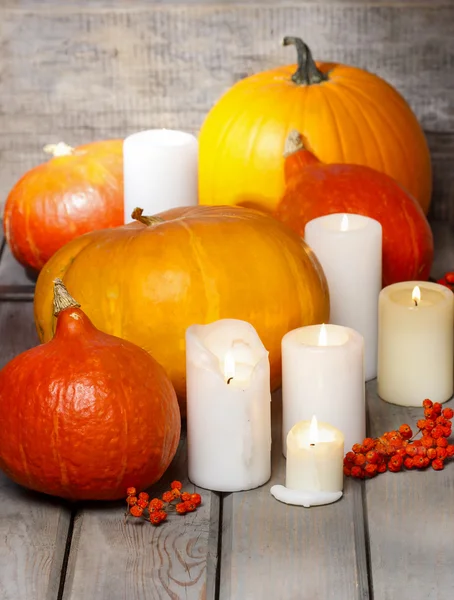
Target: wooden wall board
{"x":111,"y":559}
{"x":33,"y":527}
{"x":409,"y":519}
{"x":15,"y":282}
{"x":273,"y":550}
{"x":444,"y":249}
{"x":442,"y":152}
{"x":85,"y":71}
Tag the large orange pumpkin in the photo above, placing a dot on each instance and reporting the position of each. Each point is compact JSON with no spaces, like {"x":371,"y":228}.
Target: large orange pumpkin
{"x":345,"y":114}
{"x":149,"y":281}
{"x":76,"y":191}
{"x":315,"y":189}
{"x":86,"y":415}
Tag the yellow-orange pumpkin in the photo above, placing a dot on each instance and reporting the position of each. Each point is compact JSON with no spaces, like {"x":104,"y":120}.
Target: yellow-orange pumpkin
{"x":148,"y":281}
{"x":345,"y":114}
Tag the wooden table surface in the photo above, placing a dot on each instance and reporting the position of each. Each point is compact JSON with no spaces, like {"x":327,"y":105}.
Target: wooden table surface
{"x":387,"y":539}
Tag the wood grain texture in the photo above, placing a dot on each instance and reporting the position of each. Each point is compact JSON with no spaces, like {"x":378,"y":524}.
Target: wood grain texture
{"x":114,"y":560}
{"x":444,"y":249}
{"x":84,"y":71}
{"x":33,"y":527}
{"x":410,"y":519}
{"x":272,"y":550}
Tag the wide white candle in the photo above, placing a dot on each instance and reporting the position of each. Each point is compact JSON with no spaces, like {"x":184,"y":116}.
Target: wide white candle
{"x":228,"y":406}
{"x":323,"y":374}
{"x":415,"y":343}
{"x":160,"y":171}
{"x":349,"y":248}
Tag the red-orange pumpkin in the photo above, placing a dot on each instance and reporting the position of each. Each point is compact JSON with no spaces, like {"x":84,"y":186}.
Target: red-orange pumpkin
{"x":78,"y":190}
{"x":87,"y":414}
{"x":314,"y":189}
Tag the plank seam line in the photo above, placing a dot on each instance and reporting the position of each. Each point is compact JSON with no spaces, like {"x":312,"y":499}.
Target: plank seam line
{"x":217,"y":584}
{"x":64,"y":565}
{"x":370,"y":582}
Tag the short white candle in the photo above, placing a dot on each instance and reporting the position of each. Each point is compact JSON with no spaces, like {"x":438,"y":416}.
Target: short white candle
{"x":323,"y":374}
{"x":415,"y":343}
{"x":315,"y":454}
{"x":160,"y":171}
{"x":228,"y":406}
{"x":349,"y":248}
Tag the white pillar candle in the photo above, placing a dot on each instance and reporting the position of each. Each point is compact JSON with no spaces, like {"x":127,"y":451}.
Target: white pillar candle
{"x":160,"y":171}
{"x":323,"y":374}
{"x":228,"y":406}
{"x":314,"y":468}
{"x":349,"y":248}
{"x":415,"y":343}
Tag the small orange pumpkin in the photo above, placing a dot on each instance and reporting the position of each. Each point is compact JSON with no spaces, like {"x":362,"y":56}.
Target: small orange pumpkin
{"x":76,"y":191}
{"x":314,"y":189}
{"x":345,"y":114}
{"x":86,"y":415}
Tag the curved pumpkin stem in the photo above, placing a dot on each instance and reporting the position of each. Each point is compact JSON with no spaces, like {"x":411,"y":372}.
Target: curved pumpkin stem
{"x":62,"y":298}
{"x":293,"y":143}
{"x":137,"y":215}
{"x":307,"y":72}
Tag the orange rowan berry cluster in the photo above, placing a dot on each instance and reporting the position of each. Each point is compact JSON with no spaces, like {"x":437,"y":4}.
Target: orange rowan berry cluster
{"x":395,"y":450}
{"x":156,"y":509}
{"x":447,"y":280}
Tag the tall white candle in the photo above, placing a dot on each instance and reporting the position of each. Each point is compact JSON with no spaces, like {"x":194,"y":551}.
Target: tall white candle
{"x":228,"y":406}
{"x":349,"y":248}
{"x":323,"y":374}
{"x":415,"y":343}
{"x":315,"y":453}
{"x":160,"y":171}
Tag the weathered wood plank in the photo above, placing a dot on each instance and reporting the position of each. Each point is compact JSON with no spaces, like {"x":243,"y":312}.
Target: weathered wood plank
{"x":442,"y":151}
{"x":33,"y":527}
{"x":89,"y":71}
{"x":409,"y":519}
{"x":444,"y":249}
{"x":112,"y":560}
{"x":113,"y":5}
{"x":272,"y":550}
{"x":15,"y":282}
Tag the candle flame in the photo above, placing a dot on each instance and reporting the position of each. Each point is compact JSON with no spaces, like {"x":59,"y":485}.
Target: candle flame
{"x":229,"y":365}
{"x":416,"y":295}
{"x":323,"y":337}
{"x":344,"y":223}
{"x":313,"y":431}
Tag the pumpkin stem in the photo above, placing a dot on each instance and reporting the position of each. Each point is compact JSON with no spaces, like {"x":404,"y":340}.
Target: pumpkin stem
{"x":60,"y":149}
{"x":293,"y":143}
{"x":62,"y":298}
{"x":138,"y":216}
{"x":307,"y":72}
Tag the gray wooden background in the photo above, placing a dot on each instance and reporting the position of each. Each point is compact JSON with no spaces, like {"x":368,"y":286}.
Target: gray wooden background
{"x":86,"y":70}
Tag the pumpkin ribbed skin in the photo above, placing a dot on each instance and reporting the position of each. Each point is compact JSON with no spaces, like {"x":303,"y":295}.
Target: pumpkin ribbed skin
{"x":354,"y":117}
{"x":86,"y":415}
{"x":148,"y":284}
{"x":64,"y":198}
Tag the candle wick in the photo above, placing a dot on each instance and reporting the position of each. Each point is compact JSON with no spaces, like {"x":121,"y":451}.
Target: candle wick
{"x":311,"y":444}
{"x":416,"y":302}
{"x":229,"y":380}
